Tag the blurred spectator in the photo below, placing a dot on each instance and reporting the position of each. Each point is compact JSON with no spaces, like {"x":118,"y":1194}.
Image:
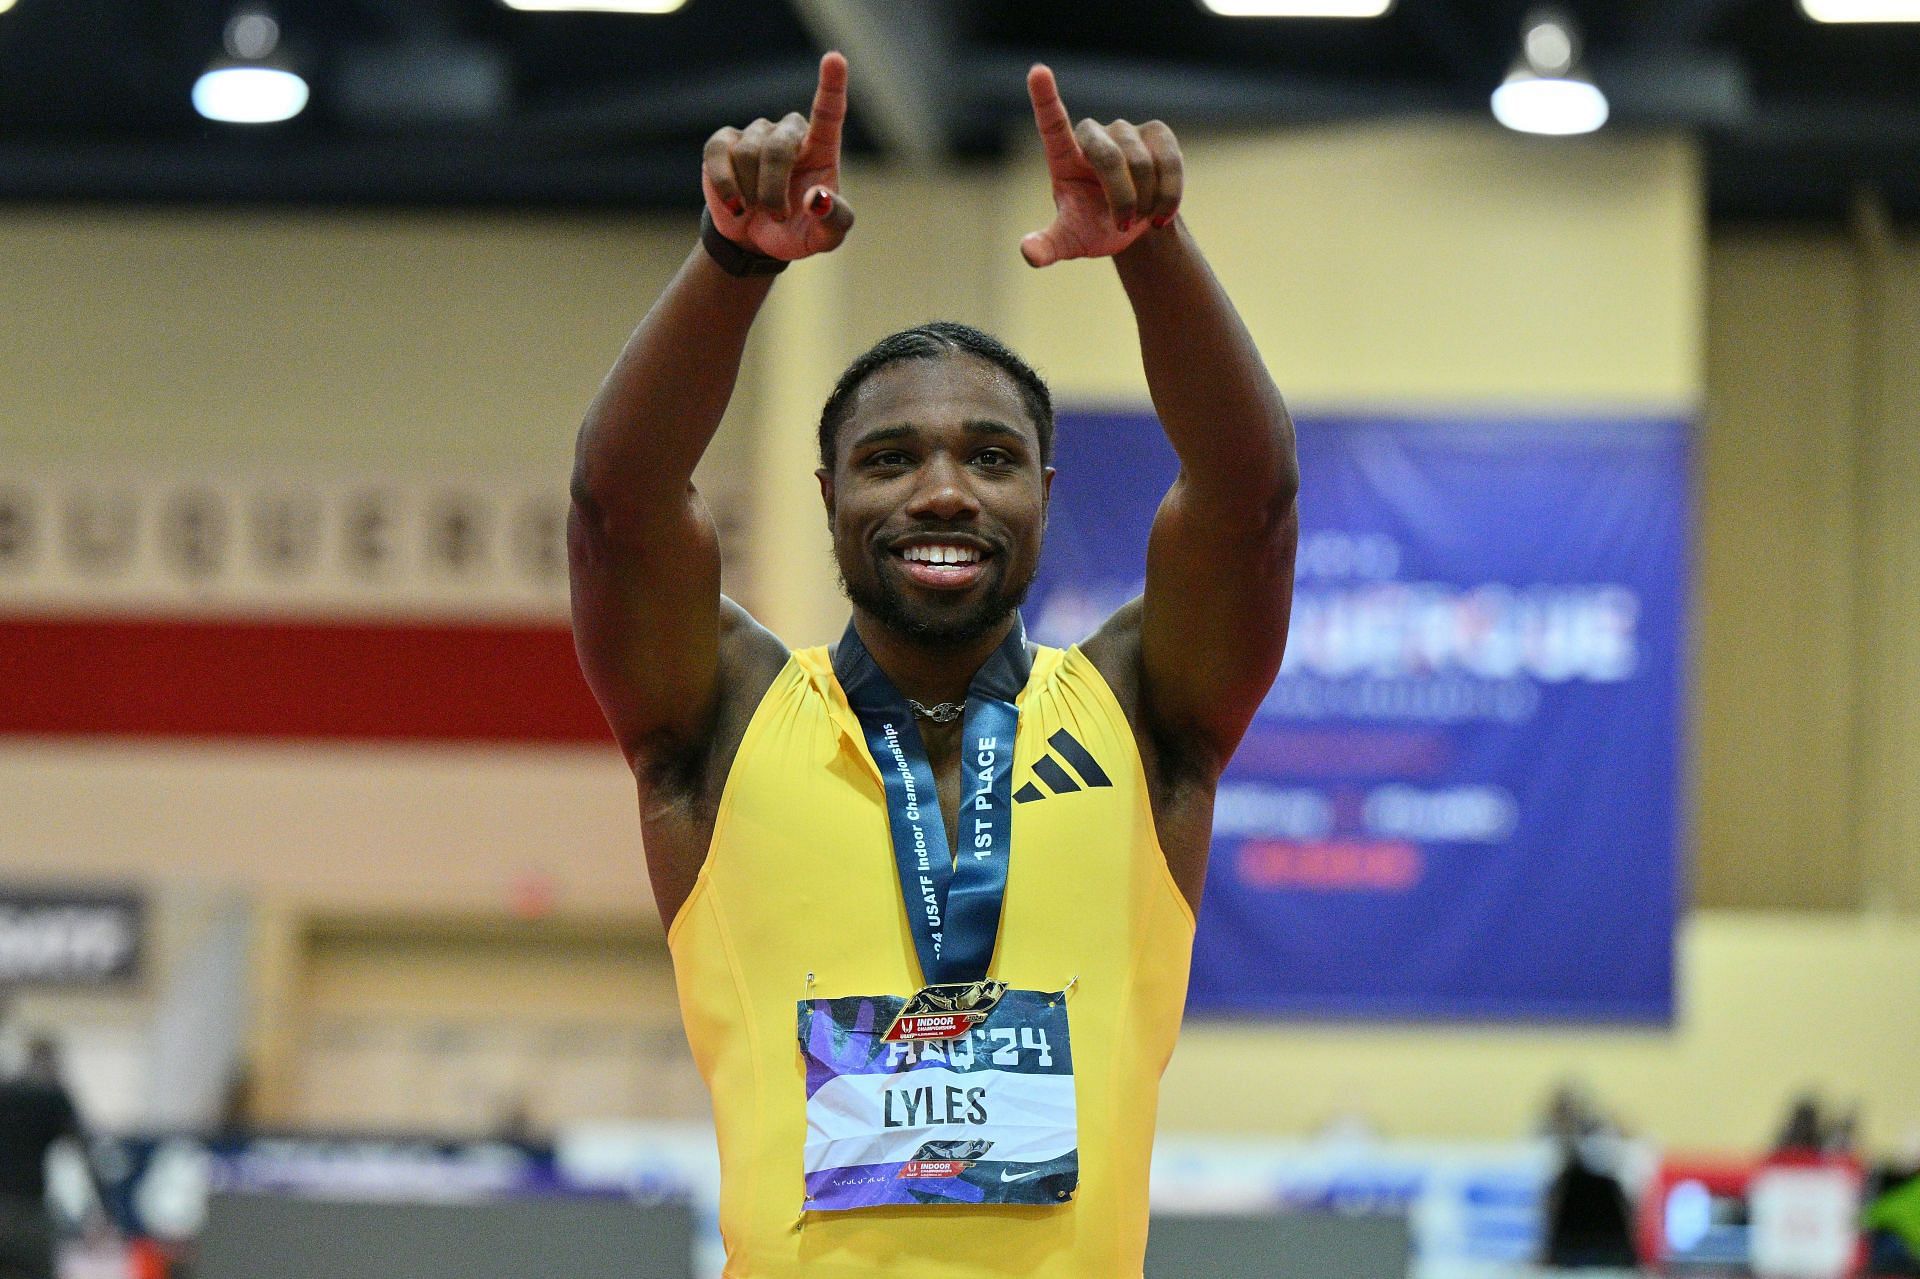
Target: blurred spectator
{"x":35,"y":1113}
{"x":1803,"y":1130}
{"x":1589,"y":1223}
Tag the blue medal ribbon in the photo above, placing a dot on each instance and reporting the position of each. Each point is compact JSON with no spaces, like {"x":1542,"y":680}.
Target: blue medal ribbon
{"x":953,"y":904}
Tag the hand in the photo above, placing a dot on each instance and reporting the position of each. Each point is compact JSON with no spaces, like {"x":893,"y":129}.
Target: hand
{"x":1111,"y":182}
{"x":775,"y":188}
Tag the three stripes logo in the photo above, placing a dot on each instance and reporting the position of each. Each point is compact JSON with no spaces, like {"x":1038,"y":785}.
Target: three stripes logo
{"x":1054,"y":773}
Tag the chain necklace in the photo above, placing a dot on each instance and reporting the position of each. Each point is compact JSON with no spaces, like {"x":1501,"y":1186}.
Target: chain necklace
{"x":944,"y":713}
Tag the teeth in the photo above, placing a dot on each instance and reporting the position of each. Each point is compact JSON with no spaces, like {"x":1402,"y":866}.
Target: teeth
{"x":942,"y":554}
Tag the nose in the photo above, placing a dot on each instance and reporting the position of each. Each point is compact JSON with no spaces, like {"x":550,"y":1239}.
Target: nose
{"x":943,"y":492}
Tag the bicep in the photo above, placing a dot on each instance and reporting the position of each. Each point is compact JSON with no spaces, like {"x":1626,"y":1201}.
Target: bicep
{"x":646,"y":620}
{"x":1213,"y":624}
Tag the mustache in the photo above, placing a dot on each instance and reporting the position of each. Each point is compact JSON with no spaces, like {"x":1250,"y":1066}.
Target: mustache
{"x":965,"y":534}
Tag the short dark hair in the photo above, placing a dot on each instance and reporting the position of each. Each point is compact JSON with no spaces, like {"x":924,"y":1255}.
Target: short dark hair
{"x":930,"y":341}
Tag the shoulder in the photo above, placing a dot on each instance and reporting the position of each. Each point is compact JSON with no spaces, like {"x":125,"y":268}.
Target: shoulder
{"x":748,"y":650}
{"x":750,"y":658}
{"x":1114,"y":649}
{"x":680,"y":788}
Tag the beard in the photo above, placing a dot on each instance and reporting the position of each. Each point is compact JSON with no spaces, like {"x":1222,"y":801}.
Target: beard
{"x":955,"y":627}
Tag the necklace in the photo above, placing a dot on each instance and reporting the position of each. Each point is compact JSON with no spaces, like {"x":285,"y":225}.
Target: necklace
{"x":944,"y":713}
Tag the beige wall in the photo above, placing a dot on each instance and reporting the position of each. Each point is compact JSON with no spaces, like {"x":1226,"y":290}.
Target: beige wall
{"x":1434,"y":266}
{"x":1808,"y":652}
{"x":407,"y":340}
{"x":1438,"y":266}
{"x":1769,"y":1003}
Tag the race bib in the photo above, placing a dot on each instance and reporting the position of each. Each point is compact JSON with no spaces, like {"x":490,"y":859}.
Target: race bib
{"x":987,"y":1118}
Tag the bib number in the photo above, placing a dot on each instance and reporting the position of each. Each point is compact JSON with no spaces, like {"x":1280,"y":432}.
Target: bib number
{"x":984,"y":1118}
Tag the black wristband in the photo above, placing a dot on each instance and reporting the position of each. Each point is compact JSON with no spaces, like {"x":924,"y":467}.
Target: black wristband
{"x":735,"y":259}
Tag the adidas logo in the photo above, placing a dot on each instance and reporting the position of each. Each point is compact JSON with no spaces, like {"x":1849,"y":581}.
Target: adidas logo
{"x":1051,"y":771}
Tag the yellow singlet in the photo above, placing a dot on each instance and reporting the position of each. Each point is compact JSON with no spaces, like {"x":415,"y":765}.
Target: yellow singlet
{"x":801,"y":879}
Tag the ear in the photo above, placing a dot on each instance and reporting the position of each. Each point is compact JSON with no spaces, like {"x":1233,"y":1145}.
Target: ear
{"x":1046,"y":493}
{"x":826,"y":489}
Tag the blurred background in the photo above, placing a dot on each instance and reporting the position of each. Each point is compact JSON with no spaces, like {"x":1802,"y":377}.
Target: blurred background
{"x":1566,"y":903}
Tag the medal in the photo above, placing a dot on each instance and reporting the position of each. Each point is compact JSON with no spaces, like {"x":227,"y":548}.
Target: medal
{"x":945,"y":1012}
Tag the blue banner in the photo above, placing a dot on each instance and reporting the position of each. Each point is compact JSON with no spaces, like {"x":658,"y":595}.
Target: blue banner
{"x":1460,"y":799}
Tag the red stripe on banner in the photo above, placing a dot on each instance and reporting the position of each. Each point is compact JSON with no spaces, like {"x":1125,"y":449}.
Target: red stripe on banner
{"x":294,"y":680}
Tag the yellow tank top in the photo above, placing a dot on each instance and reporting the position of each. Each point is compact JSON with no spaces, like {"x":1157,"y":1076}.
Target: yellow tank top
{"x":800,"y":879}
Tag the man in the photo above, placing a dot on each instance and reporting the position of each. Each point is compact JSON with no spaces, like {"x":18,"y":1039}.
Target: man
{"x":970,"y":1084}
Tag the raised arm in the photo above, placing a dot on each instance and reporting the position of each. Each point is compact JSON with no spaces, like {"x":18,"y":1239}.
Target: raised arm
{"x":1212,"y":625}
{"x":648,"y":618}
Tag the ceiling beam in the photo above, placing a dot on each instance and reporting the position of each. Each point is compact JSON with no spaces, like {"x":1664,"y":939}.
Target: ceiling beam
{"x":458,"y":170}
{"x":1675,"y":23}
{"x":1472,"y":55}
{"x":1186,"y":94}
{"x":1662,"y":87}
{"x":685,"y":104}
{"x":900,"y":54}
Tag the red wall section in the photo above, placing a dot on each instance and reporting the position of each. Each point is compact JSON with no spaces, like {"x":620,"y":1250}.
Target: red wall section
{"x":305,"y":681}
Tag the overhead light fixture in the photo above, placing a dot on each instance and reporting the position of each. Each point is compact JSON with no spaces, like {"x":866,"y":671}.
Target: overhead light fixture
{"x":250,"y":85}
{"x":594,"y":6}
{"x":1861,"y":10}
{"x":1298,"y":8}
{"x":1546,"y":92}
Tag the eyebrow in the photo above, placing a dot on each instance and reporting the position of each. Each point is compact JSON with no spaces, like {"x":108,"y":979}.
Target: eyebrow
{"x":907,"y":430}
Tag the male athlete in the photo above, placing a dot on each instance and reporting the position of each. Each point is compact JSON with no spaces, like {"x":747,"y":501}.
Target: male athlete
{"x":930,"y":892}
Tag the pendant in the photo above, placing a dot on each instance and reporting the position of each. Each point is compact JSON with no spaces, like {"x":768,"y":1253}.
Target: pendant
{"x":944,"y":713}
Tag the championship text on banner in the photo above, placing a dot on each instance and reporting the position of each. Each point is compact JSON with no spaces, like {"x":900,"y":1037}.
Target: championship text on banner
{"x":1460,"y":797}
{"x":987,"y":1118}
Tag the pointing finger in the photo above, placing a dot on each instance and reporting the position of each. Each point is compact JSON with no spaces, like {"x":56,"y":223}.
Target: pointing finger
{"x":829,"y":103}
{"x":1050,"y":115}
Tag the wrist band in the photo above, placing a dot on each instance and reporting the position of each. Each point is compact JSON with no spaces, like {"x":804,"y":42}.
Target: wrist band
{"x":733,"y":258}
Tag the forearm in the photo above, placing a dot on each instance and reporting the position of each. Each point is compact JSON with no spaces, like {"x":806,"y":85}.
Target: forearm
{"x":658,"y":408}
{"x":1214,"y":396}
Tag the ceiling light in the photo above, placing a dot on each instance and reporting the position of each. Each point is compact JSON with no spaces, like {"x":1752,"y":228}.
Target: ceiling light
{"x":1298,"y":8}
{"x":594,"y":6}
{"x":250,"y":85}
{"x":249,"y":95}
{"x":1861,"y":10}
{"x":1546,"y":92}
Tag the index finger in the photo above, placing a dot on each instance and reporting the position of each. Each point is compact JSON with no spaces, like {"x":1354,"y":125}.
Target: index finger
{"x":1050,"y":114}
{"x":829,"y":102}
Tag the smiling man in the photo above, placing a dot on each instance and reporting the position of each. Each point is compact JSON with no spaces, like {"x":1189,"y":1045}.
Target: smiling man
{"x":930,"y":891}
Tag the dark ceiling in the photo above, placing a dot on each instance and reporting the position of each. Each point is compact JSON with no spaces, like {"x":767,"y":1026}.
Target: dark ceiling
{"x":436,"y":102}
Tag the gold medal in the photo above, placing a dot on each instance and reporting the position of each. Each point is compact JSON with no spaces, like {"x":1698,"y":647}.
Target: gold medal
{"x":945,"y":1012}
